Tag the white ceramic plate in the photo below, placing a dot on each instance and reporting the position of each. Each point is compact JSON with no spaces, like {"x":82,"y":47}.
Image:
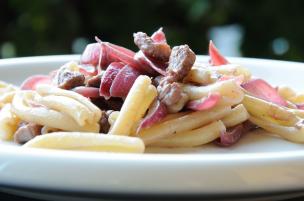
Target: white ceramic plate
{"x":258,"y":165}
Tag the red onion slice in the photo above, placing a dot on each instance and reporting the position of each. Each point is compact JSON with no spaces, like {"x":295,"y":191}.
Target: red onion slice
{"x":88,"y":70}
{"x":233,"y":135}
{"x":205,"y":103}
{"x":300,"y":106}
{"x":216,"y":59}
{"x":261,"y":89}
{"x":147,"y":64}
{"x":31,"y":82}
{"x":159,"y":36}
{"x":156,"y":112}
{"x":123,"y":82}
{"x":91,"y":54}
{"x":108,"y":78}
{"x":89,"y":92}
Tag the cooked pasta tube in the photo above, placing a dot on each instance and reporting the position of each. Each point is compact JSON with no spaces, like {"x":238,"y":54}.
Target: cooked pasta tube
{"x":269,"y":111}
{"x":185,"y":123}
{"x":46,"y":130}
{"x":232,"y":69}
{"x":44,"y":90}
{"x":133,"y":106}
{"x":194,"y":137}
{"x":297,"y":99}
{"x":79,"y":112}
{"x":286,"y":92}
{"x":174,"y":116}
{"x":291,"y":133}
{"x":290,"y":95}
{"x":112,"y":117}
{"x":299,"y":113}
{"x":202,"y":76}
{"x":6,"y":87}
{"x":8,"y":123}
{"x":237,"y":115}
{"x":150,"y":96}
{"x":87,"y":142}
{"x":6,"y":98}
{"x":44,"y":116}
{"x":231,"y":93}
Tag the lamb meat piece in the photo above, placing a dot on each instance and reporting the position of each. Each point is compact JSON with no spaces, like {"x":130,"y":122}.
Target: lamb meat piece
{"x":94,"y":81}
{"x":104,"y":123}
{"x":159,"y":51}
{"x":69,"y":79}
{"x":156,"y":81}
{"x":181,"y":60}
{"x":26,"y":132}
{"x":169,"y":93}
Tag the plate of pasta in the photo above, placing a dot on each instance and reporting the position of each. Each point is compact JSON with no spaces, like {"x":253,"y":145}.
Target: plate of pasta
{"x":159,"y":121}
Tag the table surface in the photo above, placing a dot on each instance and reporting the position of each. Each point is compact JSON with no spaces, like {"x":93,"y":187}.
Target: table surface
{"x":9,"y":197}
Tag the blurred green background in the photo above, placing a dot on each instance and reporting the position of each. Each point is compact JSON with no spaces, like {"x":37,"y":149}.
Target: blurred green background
{"x":260,"y":28}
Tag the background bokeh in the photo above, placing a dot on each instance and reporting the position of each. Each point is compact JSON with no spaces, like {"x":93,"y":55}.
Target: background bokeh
{"x":259,"y":28}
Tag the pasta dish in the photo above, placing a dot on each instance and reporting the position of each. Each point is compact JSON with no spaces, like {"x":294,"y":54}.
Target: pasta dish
{"x":116,"y":100}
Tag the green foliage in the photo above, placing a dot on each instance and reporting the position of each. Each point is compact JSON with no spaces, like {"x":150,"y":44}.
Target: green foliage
{"x":41,"y":27}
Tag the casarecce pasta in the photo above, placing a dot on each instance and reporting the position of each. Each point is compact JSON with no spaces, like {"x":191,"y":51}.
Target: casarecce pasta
{"x":159,"y":96}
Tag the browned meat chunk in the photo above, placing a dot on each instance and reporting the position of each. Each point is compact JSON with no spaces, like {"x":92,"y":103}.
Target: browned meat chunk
{"x":69,"y":79}
{"x":157,"y":80}
{"x":181,"y":60}
{"x":158,"y":51}
{"x":170,"y":93}
{"x":104,"y":123}
{"x":26,"y":132}
{"x":94,"y":81}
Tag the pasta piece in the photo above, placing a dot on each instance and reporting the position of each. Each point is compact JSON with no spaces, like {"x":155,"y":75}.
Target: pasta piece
{"x":46,"y":130}
{"x":202,"y":76}
{"x":6,"y":98}
{"x":290,"y":95}
{"x":44,"y":90}
{"x":174,"y":116}
{"x":298,"y":99}
{"x":150,"y":96}
{"x":237,"y":115}
{"x":185,"y":123}
{"x":286,"y":92}
{"x":87,"y":142}
{"x":81,"y":114}
{"x":194,"y":137}
{"x":269,"y":111}
{"x":233,"y":70}
{"x":113,"y":117}
{"x":299,"y":113}
{"x":8,"y":123}
{"x":231,"y":93}
{"x":44,"y":116}
{"x":134,"y":105}
{"x":6,"y":87}
{"x":291,"y":133}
